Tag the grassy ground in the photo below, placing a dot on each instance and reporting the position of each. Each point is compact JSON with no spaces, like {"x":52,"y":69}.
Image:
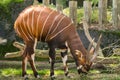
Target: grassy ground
{"x":11,"y":70}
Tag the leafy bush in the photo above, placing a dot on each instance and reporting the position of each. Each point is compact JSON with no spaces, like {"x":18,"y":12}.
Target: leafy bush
{"x":94,"y":17}
{"x":5,"y":8}
{"x":80,"y":13}
{"x":5,"y":3}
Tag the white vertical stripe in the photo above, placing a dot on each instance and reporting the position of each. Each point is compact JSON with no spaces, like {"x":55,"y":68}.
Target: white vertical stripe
{"x":52,"y":26}
{"x":60,"y":31}
{"x":23,"y":31}
{"x":58,"y":23}
{"x":25,"y":28}
{"x":45,"y":23}
{"x":32,"y":23}
{"x":38,"y":20}
{"x":28,"y":25}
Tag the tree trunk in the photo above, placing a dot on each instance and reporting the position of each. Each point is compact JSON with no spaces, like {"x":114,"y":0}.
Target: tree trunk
{"x":116,"y":14}
{"x":59,"y":5}
{"x":46,"y":2}
{"x":87,"y":11}
{"x":73,"y":11}
{"x":35,"y":2}
{"x":102,"y":13}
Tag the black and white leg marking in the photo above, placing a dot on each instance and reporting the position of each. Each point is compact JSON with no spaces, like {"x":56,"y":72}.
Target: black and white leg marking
{"x":64,"y":59}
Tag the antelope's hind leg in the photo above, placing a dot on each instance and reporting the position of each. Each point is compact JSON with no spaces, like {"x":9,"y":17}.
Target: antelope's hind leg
{"x":29,"y":55}
{"x":24,"y":64}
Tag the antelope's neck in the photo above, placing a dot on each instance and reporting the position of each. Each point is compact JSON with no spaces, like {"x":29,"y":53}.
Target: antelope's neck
{"x":75,"y":43}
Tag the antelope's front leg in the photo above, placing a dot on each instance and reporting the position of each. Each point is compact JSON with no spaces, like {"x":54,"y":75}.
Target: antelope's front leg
{"x":31,"y":58}
{"x":64,"y":59}
{"x":52,"y":61}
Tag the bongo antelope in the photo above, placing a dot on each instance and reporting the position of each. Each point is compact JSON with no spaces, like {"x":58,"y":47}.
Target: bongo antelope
{"x":39,"y":23}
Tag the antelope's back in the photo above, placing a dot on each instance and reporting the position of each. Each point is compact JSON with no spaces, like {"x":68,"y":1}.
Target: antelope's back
{"x":39,"y":22}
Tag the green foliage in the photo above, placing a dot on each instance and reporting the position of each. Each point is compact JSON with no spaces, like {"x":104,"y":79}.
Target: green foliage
{"x":7,"y":48}
{"x":94,"y":2}
{"x":107,"y":32}
{"x":80,"y":13}
{"x":5,"y":3}
{"x":94,"y":17}
{"x":109,"y":16}
{"x":63,"y":2}
{"x":5,"y":8}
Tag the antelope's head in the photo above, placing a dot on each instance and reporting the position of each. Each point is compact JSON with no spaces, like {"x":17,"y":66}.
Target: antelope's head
{"x":86,"y":61}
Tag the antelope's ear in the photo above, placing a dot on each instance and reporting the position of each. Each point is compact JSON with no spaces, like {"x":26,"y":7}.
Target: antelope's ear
{"x":78,"y":53}
{"x":80,"y":56}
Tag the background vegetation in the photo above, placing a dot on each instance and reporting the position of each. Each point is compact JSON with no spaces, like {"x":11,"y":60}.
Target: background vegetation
{"x":10,"y":69}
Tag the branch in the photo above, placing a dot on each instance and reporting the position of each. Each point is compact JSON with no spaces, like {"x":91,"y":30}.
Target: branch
{"x":85,"y":27}
{"x":13,"y":54}
{"x":38,"y":53}
{"x":19,"y":45}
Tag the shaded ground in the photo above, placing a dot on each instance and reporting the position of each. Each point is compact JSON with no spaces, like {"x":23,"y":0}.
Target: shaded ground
{"x":44,"y":66}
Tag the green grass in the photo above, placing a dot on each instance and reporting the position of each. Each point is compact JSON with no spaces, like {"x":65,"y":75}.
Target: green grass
{"x":8,"y":72}
{"x":44,"y":73}
{"x":12,"y":71}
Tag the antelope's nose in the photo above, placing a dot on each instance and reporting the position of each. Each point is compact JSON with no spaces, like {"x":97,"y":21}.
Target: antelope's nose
{"x":83,"y":71}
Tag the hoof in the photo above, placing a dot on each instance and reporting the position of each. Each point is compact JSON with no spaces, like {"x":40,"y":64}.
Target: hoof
{"x":25,"y":77}
{"x":69,"y":76}
{"x":66,"y":73}
{"x":38,"y":76}
{"x":53,"y":77}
